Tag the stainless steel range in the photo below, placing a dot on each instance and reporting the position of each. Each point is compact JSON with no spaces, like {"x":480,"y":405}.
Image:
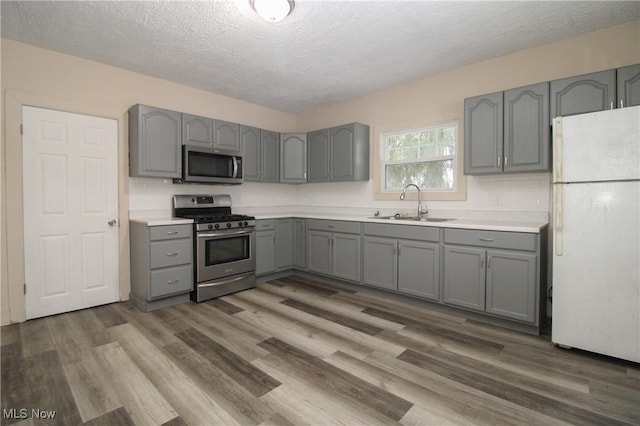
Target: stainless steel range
{"x":224,"y":245}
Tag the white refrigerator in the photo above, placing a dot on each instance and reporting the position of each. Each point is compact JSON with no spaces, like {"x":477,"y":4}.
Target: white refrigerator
{"x":596,"y":233}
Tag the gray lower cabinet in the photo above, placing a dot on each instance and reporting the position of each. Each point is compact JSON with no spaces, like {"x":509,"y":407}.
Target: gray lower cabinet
{"x":154,"y":142}
{"x":300,"y":243}
{"x":333,"y":248}
{"x":584,"y":93}
{"x":284,"y":243}
{"x":293,"y":157}
{"x":628,"y":80}
{"x":495,"y":272}
{"x":410,"y":266}
{"x":161,"y":264}
{"x":208,"y":132}
{"x":339,"y":154}
{"x":265,"y":246}
{"x":261,"y":161}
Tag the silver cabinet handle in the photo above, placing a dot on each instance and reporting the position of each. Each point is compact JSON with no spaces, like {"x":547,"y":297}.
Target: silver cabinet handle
{"x":112,"y":222}
{"x":482,"y":261}
{"x":611,"y":104}
{"x":486,"y":240}
{"x":395,"y":249}
{"x":172,"y":232}
{"x":506,"y":162}
{"x":173,"y":281}
{"x":499,"y":160}
{"x":172,"y":254}
{"x":488,"y":261}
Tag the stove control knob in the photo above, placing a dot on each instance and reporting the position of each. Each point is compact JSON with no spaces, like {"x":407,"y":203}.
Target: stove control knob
{"x":240,"y":224}
{"x":228,"y":225}
{"x":217,"y":225}
{"x":246,"y":224}
{"x":210,"y":226}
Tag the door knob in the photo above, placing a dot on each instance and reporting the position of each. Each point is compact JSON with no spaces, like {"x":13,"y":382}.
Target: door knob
{"x":112,"y":222}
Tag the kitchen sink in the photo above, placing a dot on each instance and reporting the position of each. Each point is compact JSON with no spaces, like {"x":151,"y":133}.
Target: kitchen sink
{"x":414,"y":218}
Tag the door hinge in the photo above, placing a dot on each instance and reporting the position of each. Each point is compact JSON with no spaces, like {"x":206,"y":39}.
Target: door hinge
{"x":21,"y":129}
{"x":25,"y":288}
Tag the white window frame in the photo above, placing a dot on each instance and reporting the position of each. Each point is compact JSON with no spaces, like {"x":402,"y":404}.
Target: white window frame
{"x":459,"y":190}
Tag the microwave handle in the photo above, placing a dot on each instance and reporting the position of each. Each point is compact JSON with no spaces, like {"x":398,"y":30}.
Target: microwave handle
{"x":235,"y":166}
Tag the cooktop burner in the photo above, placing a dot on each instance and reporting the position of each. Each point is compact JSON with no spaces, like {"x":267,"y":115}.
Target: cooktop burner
{"x":210,"y":212}
{"x":220,"y":218}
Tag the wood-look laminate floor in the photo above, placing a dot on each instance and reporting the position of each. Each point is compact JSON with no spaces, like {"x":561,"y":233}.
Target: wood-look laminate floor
{"x":294,"y":351}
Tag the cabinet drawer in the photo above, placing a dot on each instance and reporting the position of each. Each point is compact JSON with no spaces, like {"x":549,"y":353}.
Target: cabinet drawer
{"x":507,"y":240}
{"x":170,"y":253}
{"x":264,"y":224}
{"x":334,"y":226}
{"x":169,"y":232}
{"x":171,"y":280}
{"x":406,"y":232}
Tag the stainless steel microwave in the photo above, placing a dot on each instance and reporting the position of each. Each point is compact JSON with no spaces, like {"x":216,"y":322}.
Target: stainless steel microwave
{"x":210,"y":165}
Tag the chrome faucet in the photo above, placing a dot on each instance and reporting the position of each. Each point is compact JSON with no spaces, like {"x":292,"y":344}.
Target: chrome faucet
{"x":420,"y":211}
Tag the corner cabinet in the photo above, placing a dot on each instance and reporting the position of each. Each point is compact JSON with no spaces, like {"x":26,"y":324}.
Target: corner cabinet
{"x":293,"y":157}
{"x":274,"y":245}
{"x":339,"y":154}
{"x":333,"y":248}
{"x":508,"y":132}
{"x":251,"y":162}
{"x":584,"y":93}
{"x":628,"y":80}
{"x":300,"y":243}
{"x":161,"y":265}
{"x":495,"y":272}
{"x":155,"y":141}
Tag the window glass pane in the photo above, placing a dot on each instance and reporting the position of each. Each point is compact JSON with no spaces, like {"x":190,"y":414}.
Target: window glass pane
{"x":432,"y":175}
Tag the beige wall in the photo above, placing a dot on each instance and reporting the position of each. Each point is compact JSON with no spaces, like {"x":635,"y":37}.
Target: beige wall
{"x":48,"y":79}
{"x":43,"y":78}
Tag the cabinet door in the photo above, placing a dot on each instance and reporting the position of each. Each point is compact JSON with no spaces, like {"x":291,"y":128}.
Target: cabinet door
{"x":526,"y":129}
{"x":511,"y":285}
{"x":284,"y":243}
{"x":419,"y":269}
{"x":265,"y":252}
{"x":155,"y":138}
{"x":584,"y":93}
{"x":300,"y":243}
{"x":226,"y":135}
{"x":380,"y":262}
{"x":483,"y":134}
{"x":341,"y":153}
{"x":346,"y":256}
{"x":270,"y":151}
{"x":628,"y":86}
{"x":293,"y":158}
{"x":464,"y":277}
{"x":319,"y":252}
{"x":318,"y":156}
{"x":251,"y":161}
{"x":197,"y":130}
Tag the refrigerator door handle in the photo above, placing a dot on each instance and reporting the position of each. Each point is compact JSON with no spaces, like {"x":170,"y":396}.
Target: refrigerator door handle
{"x":557,"y":146}
{"x":558,"y":220}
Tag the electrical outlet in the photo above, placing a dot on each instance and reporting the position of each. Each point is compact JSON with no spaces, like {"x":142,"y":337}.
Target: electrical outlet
{"x":495,"y":199}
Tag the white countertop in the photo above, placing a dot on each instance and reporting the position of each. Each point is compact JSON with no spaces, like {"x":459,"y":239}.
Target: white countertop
{"x":161,"y":221}
{"x":466,"y":223}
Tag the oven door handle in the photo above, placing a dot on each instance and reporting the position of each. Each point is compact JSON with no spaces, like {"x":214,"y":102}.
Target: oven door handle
{"x":224,"y":234}
{"x":243,"y":277}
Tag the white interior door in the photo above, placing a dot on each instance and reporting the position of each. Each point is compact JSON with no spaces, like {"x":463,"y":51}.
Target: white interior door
{"x":70,"y":195}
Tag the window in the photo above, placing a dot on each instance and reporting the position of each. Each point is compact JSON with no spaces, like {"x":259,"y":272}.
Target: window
{"x":424,"y":156}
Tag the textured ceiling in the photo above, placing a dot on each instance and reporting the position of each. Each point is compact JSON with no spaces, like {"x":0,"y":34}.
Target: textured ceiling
{"x":324,"y":52}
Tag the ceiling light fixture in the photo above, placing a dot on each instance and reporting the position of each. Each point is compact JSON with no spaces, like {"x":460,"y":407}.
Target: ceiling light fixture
{"x":272,"y":10}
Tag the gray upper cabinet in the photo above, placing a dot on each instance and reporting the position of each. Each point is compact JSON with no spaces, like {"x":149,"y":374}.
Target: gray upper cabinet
{"x":464,"y":277}
{"x":226,"y":136}
{"x":349,"y":152}
{"x":584,"y":93}
{"x":318,"y":156}
{"x":628,"y":86}
{"x":300,"y":243}
{"x":339,"y":154}
{"x":203,"y":131}
{"x":270,"y":156}
{"x":293,"y":157}
{"x":261,"y":161}
{"x":154,"y":142}
{"x":483,"y":134}
{"x":197,"y":130}
{"x":251,"y":162}
{"x":527,"y":129}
